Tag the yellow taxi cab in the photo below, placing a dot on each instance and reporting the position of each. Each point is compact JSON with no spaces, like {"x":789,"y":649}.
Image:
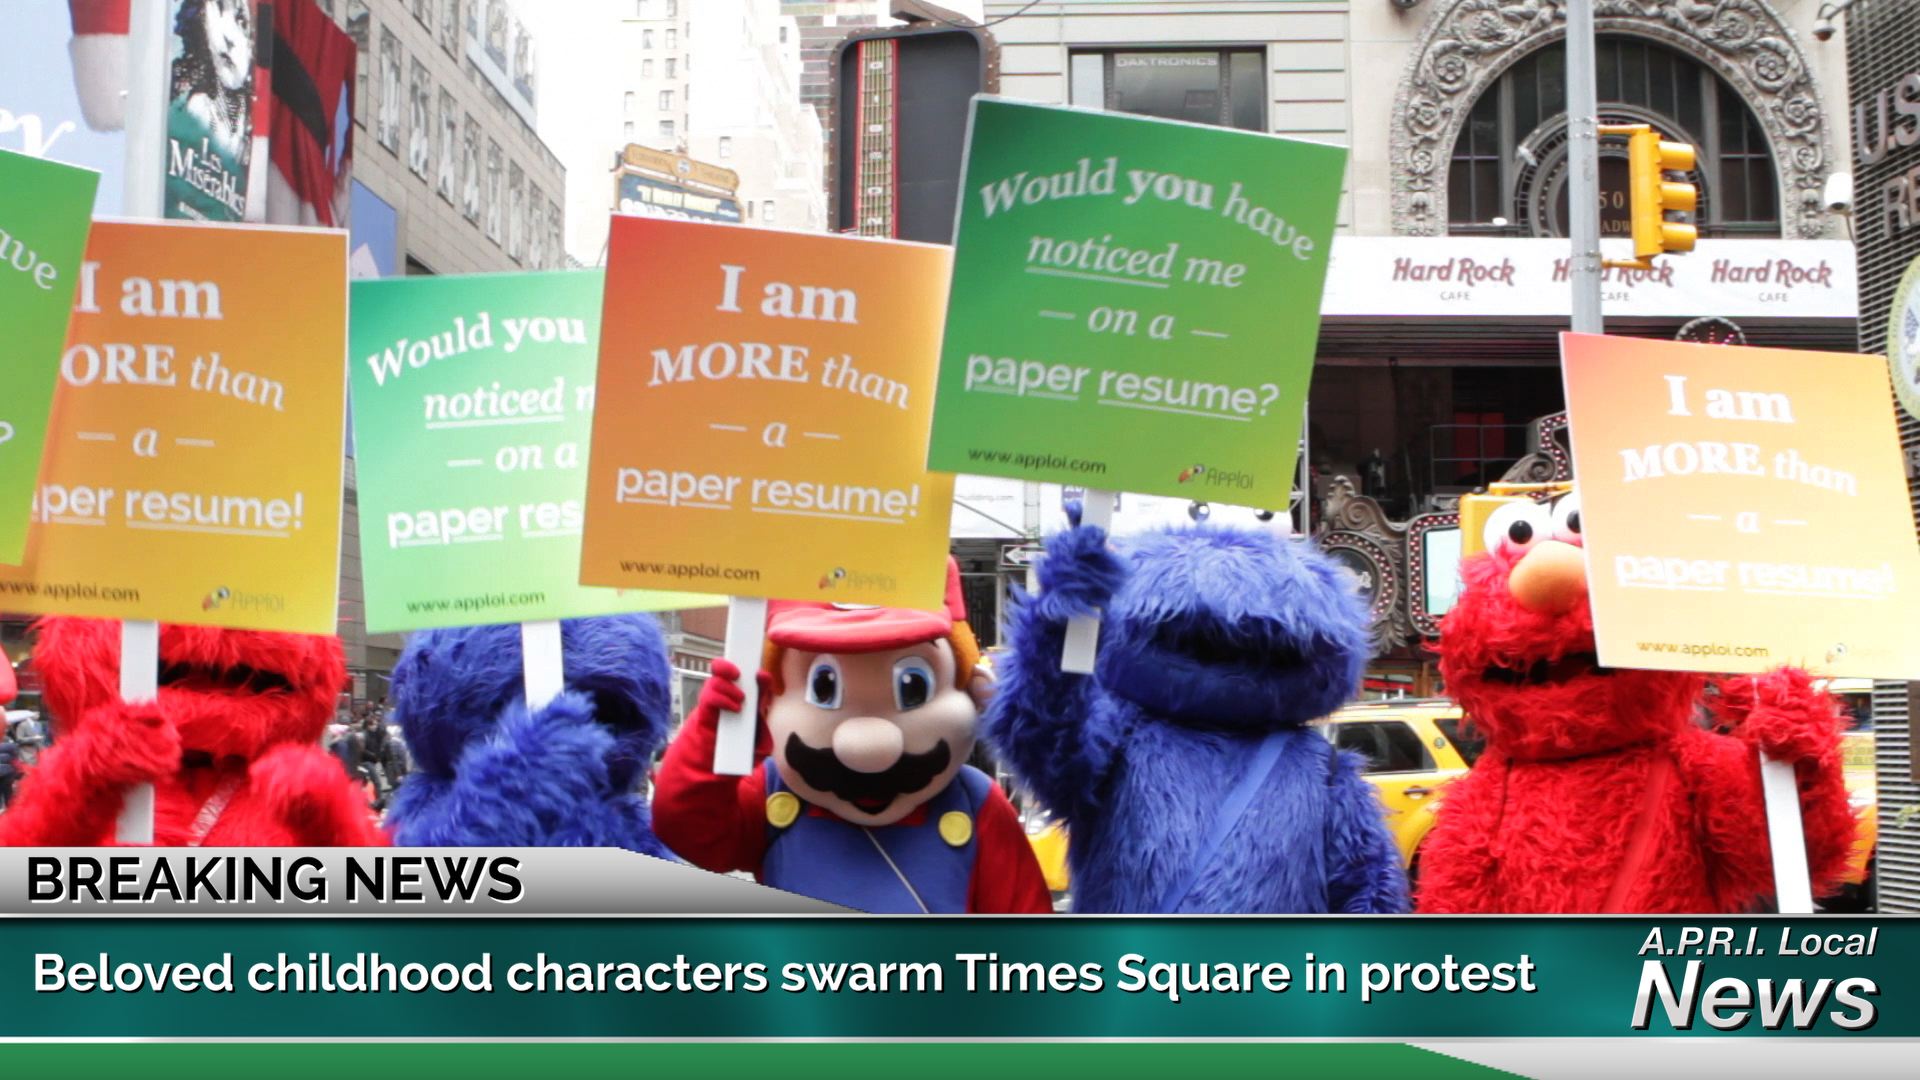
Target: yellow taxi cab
{"x":1410,"y":749}
{"x":1856,"y":761}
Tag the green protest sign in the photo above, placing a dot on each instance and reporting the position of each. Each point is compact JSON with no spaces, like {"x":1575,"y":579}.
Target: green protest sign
{"x":1135,"y":303}
{"x":45,"y":208}
{"x":472,"y":405}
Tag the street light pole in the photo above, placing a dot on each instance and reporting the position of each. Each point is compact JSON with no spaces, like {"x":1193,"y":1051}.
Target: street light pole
{"x":1583,"y":168}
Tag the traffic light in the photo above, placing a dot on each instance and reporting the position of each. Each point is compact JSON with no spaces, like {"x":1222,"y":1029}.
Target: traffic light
{"x":1649,"y":159}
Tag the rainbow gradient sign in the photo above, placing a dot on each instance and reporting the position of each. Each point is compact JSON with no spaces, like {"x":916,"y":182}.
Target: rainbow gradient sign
{"x":193,"y":460}
{"x":472,"y":405}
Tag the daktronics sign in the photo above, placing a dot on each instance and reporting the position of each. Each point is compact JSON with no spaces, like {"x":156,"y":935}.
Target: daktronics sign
{"x":1496,"y":277}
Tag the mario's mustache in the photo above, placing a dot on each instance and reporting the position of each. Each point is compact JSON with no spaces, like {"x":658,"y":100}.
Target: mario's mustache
{"x":822,"y":770}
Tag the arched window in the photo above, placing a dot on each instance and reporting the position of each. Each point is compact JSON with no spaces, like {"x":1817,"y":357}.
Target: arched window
{"x":1508,"y":176}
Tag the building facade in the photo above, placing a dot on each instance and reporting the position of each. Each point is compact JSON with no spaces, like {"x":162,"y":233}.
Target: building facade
{"x":822,"y":26}
{"x":450,"y":177}
{"x":1883,"y":55}
{"x":1447,"y":284}
{"x":736,"y":111}
{"x":444,"y":111}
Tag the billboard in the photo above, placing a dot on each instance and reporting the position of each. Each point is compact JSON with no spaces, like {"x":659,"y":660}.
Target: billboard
{"x":63,"y":87}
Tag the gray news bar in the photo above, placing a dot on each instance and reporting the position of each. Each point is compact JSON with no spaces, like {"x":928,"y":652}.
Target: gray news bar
{"x":374,"y":882}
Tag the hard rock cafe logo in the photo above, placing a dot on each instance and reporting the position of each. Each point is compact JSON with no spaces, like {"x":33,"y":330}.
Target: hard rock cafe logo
{"x":1903,"y":339}
{"x":1456,"y":271}
{"x":1660,"y":274}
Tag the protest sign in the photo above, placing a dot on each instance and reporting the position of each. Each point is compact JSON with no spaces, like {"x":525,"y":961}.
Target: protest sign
{"x":45,"y":208}
{"x":473,"y":403}
{"x":1135,"y":303}
{"x":193,"y":460}
{"x":762,"y":416}
{"x":1742,"y":508}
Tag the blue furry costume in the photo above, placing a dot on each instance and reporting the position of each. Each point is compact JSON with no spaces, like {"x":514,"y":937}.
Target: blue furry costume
{"x":488,"y":772}
{"x":1217,"y":647}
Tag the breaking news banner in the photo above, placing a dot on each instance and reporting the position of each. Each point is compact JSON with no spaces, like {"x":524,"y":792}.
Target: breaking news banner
{"x":465,"y":944}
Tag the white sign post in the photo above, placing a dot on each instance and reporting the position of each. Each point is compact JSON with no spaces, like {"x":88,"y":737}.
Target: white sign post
{"x":145,"y":149}
{"x":746,"y":640}
{"x":541,"y":661}
{"x":1792,"y":884}
{"x":1083,"y":631}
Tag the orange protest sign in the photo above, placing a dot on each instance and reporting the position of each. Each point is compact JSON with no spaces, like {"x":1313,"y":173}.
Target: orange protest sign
{"x":1742,"y":508}
{"x":193,"y":459}
{"x":761,"y":416}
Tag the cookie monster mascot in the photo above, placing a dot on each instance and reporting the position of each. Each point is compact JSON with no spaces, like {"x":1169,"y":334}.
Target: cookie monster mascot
{"x":1184,"y":766}
{"x":488,"y":771}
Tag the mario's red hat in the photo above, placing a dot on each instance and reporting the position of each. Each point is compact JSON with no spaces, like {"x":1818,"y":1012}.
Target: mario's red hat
{"x":823,"y":627}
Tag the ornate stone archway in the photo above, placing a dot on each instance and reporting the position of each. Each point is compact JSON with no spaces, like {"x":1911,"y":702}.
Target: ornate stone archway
{"x":1467,"y":44}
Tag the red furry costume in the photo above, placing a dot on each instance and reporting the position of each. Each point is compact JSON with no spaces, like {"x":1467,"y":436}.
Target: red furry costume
{"x":231,"y":745}
{"x":1598,"y":792}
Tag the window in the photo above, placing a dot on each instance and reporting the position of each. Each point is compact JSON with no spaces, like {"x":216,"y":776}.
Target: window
{"x":1508,"y":174}
{"x":672,"y":65}
{"x":666,"y":100}
{"x":450,"y":26}
{"x":673,"y":38}
{"x":666,"y":129}
{"x":783,"y":35}
{"x":646,"y":69}
{"x":423,"y":13}
{"x":749,"y":205}
{"x":447,"y":149}
{"x":646,"y":39}
{"x":496,"y":191}
{"x":419,"y":118}
{"x":1388,"y":746}
{"x":470,"y":170}
{"x":387,"y":114}
{"x":1224,"y":87}
{"x":516,"y":212}
{"x":766,"y":212}
{"x":726,"y":146}
{"x":673,"y":8}
{"x":360,"y":28}
{"x":626,"y":130}
{"x":626,"y":103}
{"x":1468,"y":744}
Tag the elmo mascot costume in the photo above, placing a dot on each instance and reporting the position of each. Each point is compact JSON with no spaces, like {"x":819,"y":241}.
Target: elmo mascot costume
{"x":489,"y":771}
{"x":1184,"y":766}
{"x":231,"y":744}
{"x":863,"y":797}
{"x":1598,"y":791}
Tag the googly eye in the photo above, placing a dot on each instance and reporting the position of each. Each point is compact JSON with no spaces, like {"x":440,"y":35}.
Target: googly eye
{"x":1566,"y":519}
{"x":1518,"y":526}
{"x":823,"y":683}
{"x":912,"y":683}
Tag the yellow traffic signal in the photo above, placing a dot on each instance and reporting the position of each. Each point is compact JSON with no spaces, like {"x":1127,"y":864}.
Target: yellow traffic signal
{"x":1649,"y":159}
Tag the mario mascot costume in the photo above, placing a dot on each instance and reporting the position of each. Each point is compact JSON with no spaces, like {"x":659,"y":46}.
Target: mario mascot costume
{"x":1598,"y":792}
{"x":489,"y":771}
{"x":862,"y":797}
{"x":231,"y":744}
{"x":1184,"y":766}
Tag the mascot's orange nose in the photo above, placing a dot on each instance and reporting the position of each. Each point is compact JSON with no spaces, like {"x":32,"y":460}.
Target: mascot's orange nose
{"x":1550,"y":579}
{"x":868,"y":744}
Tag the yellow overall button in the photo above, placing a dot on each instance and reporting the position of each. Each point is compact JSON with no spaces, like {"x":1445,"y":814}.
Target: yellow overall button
{"x":956,"y":828}
{"x":782,"y":808}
